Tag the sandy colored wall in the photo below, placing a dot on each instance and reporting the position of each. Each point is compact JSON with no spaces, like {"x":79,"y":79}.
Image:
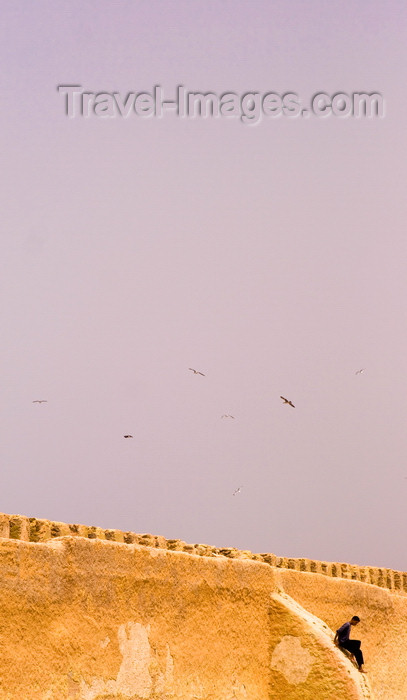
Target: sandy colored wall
{"x":95,"y":619}
{"x":37,"y":530}
{"x":382,"y":630}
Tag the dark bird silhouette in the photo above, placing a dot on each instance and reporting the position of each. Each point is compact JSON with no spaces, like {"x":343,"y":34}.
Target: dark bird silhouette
{"x":290,"y":403}
{"x":127,"y":436}
{"x":360,"y":371}
{"x":237,"y":491}
{"x":40,"y":401}
{"x":195,"y":371}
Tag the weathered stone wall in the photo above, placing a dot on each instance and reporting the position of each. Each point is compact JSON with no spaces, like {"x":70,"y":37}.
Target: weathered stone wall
{"x":88,"y":614}
{"x":35,"y":530}
{"x":99,"y":620}
{"x":382,"y":630}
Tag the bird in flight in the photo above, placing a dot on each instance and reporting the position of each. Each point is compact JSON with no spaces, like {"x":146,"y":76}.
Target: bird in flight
{"x":40,"y":401}
{"x":237,"y":491}
{"x":127,"y":436}
{"x":195,"y":371}
{"x":360,"y":371}
{"x":290,"y":403}
{"x":227,"y":415}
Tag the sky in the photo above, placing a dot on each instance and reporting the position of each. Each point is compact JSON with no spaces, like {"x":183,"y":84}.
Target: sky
{"x":269,"y":256}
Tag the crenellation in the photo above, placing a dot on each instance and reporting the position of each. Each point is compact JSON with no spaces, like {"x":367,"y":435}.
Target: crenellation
{"x":255,"y":557}
{"x":229,"y":552}
{"x":245,"y":554}
{"x":363,"y":574}
{"x":380,"y":578}
{"x":91,"y":533}
{"x":4,"y":525}
{"x":19,"y":528}
{"x":78,"y":530}
{"x":174,"y":545}
{"x":269,"y":559}
{"x":114,"y":535}
{"x":160,"y":542}
{"x":119,"y":536}
{"x":40,"y":530}
{"x":372,"y":575}
{"x":100,"y":533}
{"x":189,"y":548}
{"x":130,"y":538}
{"x":200,"y":549}
{"x":56,"y":530}
{"x":397,"y":581}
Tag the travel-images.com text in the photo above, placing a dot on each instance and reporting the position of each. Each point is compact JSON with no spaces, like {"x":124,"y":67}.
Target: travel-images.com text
{"x":249,"y":107}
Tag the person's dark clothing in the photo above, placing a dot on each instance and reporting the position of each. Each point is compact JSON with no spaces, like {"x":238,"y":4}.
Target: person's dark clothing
{"x":353,"y":645}
{"x":343,"y":633}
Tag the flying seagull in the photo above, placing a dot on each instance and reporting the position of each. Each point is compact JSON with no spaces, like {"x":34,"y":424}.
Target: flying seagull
{"x":237,"y":491}
{"x":227,"y":415}
{"x":360,"y":371}
{"x":40,"y":401}
{"x":290,"y":403}
{"x":127,"y":436}
{"x":195,"y":371}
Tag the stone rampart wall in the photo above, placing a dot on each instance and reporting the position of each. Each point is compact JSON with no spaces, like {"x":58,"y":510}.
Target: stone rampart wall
{"x":35,"y":530}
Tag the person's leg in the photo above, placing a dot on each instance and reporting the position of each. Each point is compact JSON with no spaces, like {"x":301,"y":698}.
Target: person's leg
{"x":354,"y":647}
{"x":348,"y":646}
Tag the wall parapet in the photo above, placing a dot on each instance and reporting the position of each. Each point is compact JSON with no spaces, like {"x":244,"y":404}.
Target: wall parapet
{"x":21,"y":527}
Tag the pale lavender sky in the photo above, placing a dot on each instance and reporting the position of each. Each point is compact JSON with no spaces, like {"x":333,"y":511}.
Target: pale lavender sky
{"x":271,"y":257}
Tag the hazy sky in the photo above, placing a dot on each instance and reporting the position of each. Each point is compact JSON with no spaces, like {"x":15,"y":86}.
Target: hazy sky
{"x":271,"y":257}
